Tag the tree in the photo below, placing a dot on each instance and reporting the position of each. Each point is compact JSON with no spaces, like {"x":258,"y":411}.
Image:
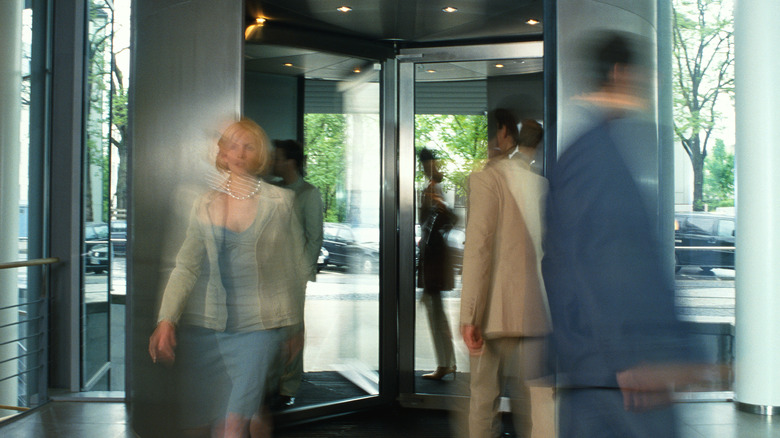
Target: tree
{"x":324,"y":139}
{"x":719,"y":177}
{"x":461,"y":142}
{"x":107,"y":109}
{"x":703,"y":35}
{"x":98,"y":92}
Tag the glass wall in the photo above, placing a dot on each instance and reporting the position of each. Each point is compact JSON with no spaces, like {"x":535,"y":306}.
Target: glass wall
{"x":705,"y":142}
{"x":104,"y":243}
{"x":23,"y":298}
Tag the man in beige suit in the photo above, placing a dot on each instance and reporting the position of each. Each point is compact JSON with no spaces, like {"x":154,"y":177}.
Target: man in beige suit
{"x":504,"y":315}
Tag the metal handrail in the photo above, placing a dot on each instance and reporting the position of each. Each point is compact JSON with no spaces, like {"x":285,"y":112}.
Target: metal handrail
{"x":706,"y":247}
{"x":14,"y":408}
{"x":23,"y":304}
{"x":27,"y":263}
{"x":23,"y":354}
{"x":40,"y":350}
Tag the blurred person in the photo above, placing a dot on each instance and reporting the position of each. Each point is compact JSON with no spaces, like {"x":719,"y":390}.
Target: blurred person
{"x":245,"y":243}
{"x":616,"y":341}
{"x":503,"y":315}
{"x":435,"y":272}
{"x":288,"y":165}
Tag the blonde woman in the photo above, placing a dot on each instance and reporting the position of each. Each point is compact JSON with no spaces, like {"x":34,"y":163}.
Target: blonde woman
{"x":244,"y":242}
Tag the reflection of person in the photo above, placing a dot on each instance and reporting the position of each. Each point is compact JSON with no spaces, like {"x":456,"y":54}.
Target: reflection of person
{"x":616,"y":339}
{"x":247,"y":238}
{"x":435,"y":272}
{"x":288,"y":165}
{"x":503,"y":315}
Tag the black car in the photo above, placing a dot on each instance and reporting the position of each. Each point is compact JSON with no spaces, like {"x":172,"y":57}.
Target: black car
{"x":456,"y":240}
{"x":96,"y":247}
{"x":351,"y":247}
{"x":705,"y":240}
{"x":322,"y":259}
{"x":119,"y":237}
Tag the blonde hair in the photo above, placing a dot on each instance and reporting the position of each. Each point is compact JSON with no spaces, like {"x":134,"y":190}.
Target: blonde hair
{"x":260,"y":139}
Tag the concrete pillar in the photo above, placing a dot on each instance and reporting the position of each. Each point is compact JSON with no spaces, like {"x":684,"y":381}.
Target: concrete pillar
{"x":10,"y":119}
{"x":757,"y":382}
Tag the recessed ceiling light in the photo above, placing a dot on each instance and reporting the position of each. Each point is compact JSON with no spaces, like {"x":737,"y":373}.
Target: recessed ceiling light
{"x":532,"y":22}
{"x":499,"y":65}
{"x":430,"y":71}
{"x":260,"y":20}
{"x":288,"y":64}
{"x":344,"y":9}
{"x":450,"y":9}
{"x":356,"y":70}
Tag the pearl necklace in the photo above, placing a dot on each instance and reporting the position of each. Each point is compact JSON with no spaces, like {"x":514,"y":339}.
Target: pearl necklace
{"x":233,"y":195}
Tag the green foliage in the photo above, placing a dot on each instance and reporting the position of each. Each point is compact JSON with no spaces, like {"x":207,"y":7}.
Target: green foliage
{"x":460,"y":142}
{"x":703,"y":73}
{"x":98,"y":116}
{"x":719,"y":177}
{"x":324,"y":140}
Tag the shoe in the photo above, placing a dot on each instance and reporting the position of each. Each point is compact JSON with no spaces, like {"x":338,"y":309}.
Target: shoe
{"x":282,"y":402}
{"x":286,"y":401}
{"x":440,"y":373}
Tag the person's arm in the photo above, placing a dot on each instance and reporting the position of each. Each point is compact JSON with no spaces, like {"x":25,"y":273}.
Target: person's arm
{"x":312,"y":226}
{"x":162,"y":342}
{"x":185,"y":273}
{"x":478,"y":255}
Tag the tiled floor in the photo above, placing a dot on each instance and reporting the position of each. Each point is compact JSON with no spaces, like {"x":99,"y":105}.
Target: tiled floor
{"x":111,"y":420}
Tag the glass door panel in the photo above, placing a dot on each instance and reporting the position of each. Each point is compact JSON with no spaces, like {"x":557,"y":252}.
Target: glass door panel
{"x":330,"y":103}
{"x":452,"y":100}
{"x":97,"y":253}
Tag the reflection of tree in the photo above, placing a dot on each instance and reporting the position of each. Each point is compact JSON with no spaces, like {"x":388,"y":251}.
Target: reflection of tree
{"x":460,"y":141}
{"x":703,"y":72}
{"x":719,"y":177}
{"x":98,"y":91}
{"x":324,"y":140}
{"x":107,"y":110}
{"x":119,"y":130}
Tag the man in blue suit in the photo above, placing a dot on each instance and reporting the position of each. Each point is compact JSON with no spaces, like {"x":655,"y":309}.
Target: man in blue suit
{"x":616,"y":343}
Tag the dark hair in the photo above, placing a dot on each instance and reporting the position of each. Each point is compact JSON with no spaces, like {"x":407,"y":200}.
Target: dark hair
{"x":616,"y":48}
{"x":506,"y":118}
{"x":426,"y":154}
{"x":292,"y":151}
{"x":531,"y":133}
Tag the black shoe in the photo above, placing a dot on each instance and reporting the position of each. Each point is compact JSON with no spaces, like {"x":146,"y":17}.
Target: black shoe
{"x":286,"y":401}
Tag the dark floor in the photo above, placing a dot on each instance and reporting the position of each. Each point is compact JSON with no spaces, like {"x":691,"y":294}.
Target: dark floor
{"x":111,"y":420}
{"x":382,"y":423}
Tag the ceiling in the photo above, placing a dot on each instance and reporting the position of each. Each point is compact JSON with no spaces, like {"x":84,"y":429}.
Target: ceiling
{"x":407,"y":21}
{"x":339,"y":44}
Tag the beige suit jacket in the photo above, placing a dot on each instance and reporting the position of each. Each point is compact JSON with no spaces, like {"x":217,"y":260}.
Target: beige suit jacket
{"x":503,"y":292}
{"x":281,"y":274}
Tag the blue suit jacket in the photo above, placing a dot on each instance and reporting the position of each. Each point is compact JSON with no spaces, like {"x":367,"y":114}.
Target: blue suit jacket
{"x":612,"y":304}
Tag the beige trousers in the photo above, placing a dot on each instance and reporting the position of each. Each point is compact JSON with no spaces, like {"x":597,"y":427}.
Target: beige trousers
{"x":504,"y":362}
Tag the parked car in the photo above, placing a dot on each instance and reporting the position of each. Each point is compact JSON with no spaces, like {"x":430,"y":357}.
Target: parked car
{"x":351,"y":247}
{"x":96,"y":247}
{"x":322,"y":259}
{"x":705,"y":240}
{"x":97,"y":259}
{"x":119,"y":237}
{"x":456,"y":240}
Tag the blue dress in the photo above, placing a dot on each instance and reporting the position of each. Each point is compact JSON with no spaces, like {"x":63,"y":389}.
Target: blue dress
{"x":225,"y":372}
